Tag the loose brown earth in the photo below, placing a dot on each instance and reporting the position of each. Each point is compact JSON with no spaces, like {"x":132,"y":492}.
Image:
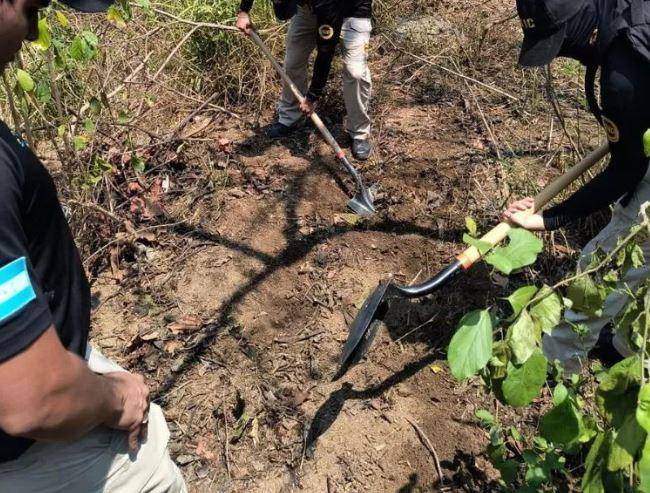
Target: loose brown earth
{"x":239,"y":318}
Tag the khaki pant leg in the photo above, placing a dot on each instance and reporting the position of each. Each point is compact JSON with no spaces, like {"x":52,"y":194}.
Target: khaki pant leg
{"x":564,"y":344}
{"x":357,"y":80}
{"x":300,"y":43}
{"x":98,"y":462}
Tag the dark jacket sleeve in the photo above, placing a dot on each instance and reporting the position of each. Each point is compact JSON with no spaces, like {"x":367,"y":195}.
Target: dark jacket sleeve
{"x":246,"y":5}
{"x":330,"y":21}
{"x":24,"y":310}
{"x":626,"y":110}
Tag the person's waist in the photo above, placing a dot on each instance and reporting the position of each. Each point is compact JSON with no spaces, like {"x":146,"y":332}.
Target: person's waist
{"x":360,"y":9}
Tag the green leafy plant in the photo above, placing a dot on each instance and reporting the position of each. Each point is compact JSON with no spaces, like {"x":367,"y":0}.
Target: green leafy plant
{"x":591,"y":430}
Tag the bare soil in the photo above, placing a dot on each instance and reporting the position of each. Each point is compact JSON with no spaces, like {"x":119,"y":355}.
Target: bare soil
{"x":238,"y":309}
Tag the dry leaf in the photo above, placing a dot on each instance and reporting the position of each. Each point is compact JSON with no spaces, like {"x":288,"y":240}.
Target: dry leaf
{"x":151,"y":336}
{"x":172,"y":346}
{"x":437,"y":369}
{"x":186,"y":324}
{"x":203,"y":448}
{"x":255,"y":431}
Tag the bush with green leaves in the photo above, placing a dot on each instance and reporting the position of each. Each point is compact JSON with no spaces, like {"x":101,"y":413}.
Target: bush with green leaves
{"x":590,"y":432}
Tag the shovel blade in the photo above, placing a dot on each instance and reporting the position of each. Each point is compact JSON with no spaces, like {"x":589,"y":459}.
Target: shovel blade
{"x":362,"y":206}
{"x":359,"y":338}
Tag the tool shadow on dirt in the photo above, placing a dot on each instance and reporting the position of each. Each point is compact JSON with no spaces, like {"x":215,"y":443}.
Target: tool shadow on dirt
{"x":297,"y":247}
{"x":410,"y":322}
{"x":299,"y":144}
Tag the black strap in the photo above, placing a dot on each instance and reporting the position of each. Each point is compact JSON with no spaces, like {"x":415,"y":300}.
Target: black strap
{"x":590,"y":92}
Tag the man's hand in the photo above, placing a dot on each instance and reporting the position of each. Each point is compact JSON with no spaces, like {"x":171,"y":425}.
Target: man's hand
{"x":131,"y":405}
{"x":244,"y":23}
{"x":307,"y":107}
{"x":520,"y":213}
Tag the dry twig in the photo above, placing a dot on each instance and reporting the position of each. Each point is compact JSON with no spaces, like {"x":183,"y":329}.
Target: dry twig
{"x":427,"y":443}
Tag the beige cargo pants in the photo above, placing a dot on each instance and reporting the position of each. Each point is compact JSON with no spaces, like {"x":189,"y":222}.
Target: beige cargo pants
{"x":99,"y":462}
{"x":357,"y":82}
{"x":564,"y":344}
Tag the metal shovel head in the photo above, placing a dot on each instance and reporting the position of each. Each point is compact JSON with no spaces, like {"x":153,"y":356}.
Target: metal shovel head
{"x":361,"y":335}
{"x":361,"y":206}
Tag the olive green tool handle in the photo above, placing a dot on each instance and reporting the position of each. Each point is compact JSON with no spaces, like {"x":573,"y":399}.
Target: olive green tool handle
{"x":499,"y":232}
{"x":296,"y":92}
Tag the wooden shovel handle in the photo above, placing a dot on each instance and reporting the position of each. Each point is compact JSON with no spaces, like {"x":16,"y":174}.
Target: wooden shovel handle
{"x":496,"y":235}
{"x":318,"y":123}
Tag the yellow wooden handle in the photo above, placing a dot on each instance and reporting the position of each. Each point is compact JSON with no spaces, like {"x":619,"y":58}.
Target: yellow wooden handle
{"x":496,"y":235}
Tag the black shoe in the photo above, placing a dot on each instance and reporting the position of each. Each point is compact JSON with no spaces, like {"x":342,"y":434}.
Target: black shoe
{"x":361,"y":149}
{"x":278,"y":130}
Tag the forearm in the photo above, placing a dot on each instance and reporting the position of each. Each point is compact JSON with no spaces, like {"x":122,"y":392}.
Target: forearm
{"x":602,"y":191}
{"x":67,"y":400}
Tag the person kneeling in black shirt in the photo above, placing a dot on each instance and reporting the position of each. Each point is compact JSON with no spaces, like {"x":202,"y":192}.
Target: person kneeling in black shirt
{"x":615,"y":36}
{"x":70,"y":420}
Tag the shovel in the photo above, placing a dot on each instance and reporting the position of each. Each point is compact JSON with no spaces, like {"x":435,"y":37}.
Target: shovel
{"x":361,"y":204}
{"x":365,"y":326}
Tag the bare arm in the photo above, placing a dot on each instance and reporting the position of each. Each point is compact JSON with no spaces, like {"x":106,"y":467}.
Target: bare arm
{"x":49,"y":393}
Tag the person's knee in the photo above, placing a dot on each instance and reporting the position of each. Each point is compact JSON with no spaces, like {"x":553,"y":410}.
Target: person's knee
{"x":167,"y":478}
{"x":356,"y":70}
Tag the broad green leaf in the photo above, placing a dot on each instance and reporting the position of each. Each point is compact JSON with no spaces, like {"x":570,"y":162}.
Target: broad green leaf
{"x":43,"y":92}
{"x":560,"y":394}
{"x":499,"y":360}
{"x":547,"y":312}
{"x":80,"y":142}
{"x":643,"y":408}
{"x":508,"y":469}
{"x":470,"y":348}
{"x":523,"y":337}
{"x":561,"y":425}
{"x":79,"y":50}
{"x":482,"y":246}
{"x":25,"y":80}
{"x":627,"y":442}
{"x":520,"y":298}
{"x":522,"y":384}
{"x":586,"y":296}
{"x":84,"y":46}
{"x":644,"y":468}
{"x":44,"y":40}
{"x":617,"y":393}
{"x":486,"y":418}
{"x":62,"y":19}
{"x":89,"y":126}
{"x":470,"y":224}
{"x":629,"y":257}
{"x":91,"y":38}
{"x":522,"y":250}
{"x":592,"y":481}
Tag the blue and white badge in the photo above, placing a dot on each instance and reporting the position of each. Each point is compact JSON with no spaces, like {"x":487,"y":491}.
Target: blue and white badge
{"x":16,"y":289}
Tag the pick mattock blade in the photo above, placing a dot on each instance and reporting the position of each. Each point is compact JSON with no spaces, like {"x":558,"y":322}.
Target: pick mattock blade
{"x":372,"y":309}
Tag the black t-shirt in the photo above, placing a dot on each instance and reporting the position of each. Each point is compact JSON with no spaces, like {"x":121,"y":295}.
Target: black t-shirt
{"x":625,"y":100}
{"x":42,"y":281}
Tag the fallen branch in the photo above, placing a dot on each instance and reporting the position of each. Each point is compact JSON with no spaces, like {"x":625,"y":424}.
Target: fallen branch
{"x":425,"y":441}
{"x":210,"y":25}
